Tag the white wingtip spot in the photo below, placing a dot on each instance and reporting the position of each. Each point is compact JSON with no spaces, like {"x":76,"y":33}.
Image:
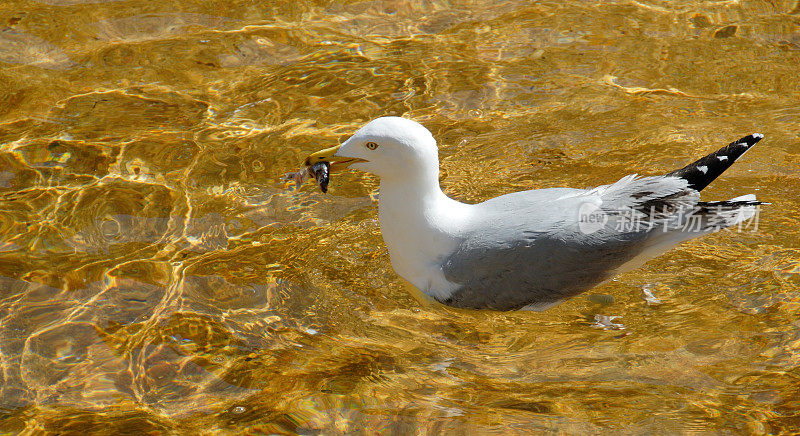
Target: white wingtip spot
{"x":703,"y":169}
{"x":758,"y":135}
{"x":721,"y":158}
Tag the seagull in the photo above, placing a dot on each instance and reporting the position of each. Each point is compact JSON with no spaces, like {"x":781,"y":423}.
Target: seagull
{"x":532,"y":249}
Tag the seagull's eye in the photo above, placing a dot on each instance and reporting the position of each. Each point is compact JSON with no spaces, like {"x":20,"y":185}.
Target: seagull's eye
{"x":371,"y":145}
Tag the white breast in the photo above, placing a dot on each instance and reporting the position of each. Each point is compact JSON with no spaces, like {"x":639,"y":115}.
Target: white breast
{"x":419,"y":234}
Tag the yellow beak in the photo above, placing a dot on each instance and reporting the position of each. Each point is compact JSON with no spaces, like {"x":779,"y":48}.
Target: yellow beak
{"x":322,"y":156}
{"x":328,"y":155}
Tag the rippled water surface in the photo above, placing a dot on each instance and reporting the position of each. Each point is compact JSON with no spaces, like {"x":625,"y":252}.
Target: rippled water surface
{"x":156,"y":276}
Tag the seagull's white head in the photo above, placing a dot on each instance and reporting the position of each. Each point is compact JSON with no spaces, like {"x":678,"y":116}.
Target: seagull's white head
{"x":389,"y":147}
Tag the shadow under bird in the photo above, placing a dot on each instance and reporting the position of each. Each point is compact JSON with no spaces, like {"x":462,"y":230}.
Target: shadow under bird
{"x":530,"y":249}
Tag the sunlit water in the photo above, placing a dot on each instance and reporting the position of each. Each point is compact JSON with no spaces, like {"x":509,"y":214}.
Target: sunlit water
{"x":157,"y":276}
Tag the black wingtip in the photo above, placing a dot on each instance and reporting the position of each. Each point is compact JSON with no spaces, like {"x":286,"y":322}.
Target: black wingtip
{"x":751,"y":140}
{"x":702,"y":172}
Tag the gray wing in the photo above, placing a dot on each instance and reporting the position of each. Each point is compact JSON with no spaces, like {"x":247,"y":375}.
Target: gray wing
{"x":532,"y":248}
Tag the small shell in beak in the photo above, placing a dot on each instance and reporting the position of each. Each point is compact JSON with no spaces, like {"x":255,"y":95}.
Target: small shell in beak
{"x":321,"y":171}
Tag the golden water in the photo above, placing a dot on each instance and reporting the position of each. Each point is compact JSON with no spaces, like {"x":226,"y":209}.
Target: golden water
{"x":157,"y":277}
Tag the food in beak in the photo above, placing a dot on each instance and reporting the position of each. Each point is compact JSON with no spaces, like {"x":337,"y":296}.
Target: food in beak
{"x":298,"y":177}
{"x":320,"y":171}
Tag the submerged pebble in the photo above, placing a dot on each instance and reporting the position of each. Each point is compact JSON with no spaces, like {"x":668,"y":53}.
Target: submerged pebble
{"x":605,"y":322}
{"x":649,"y":297}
